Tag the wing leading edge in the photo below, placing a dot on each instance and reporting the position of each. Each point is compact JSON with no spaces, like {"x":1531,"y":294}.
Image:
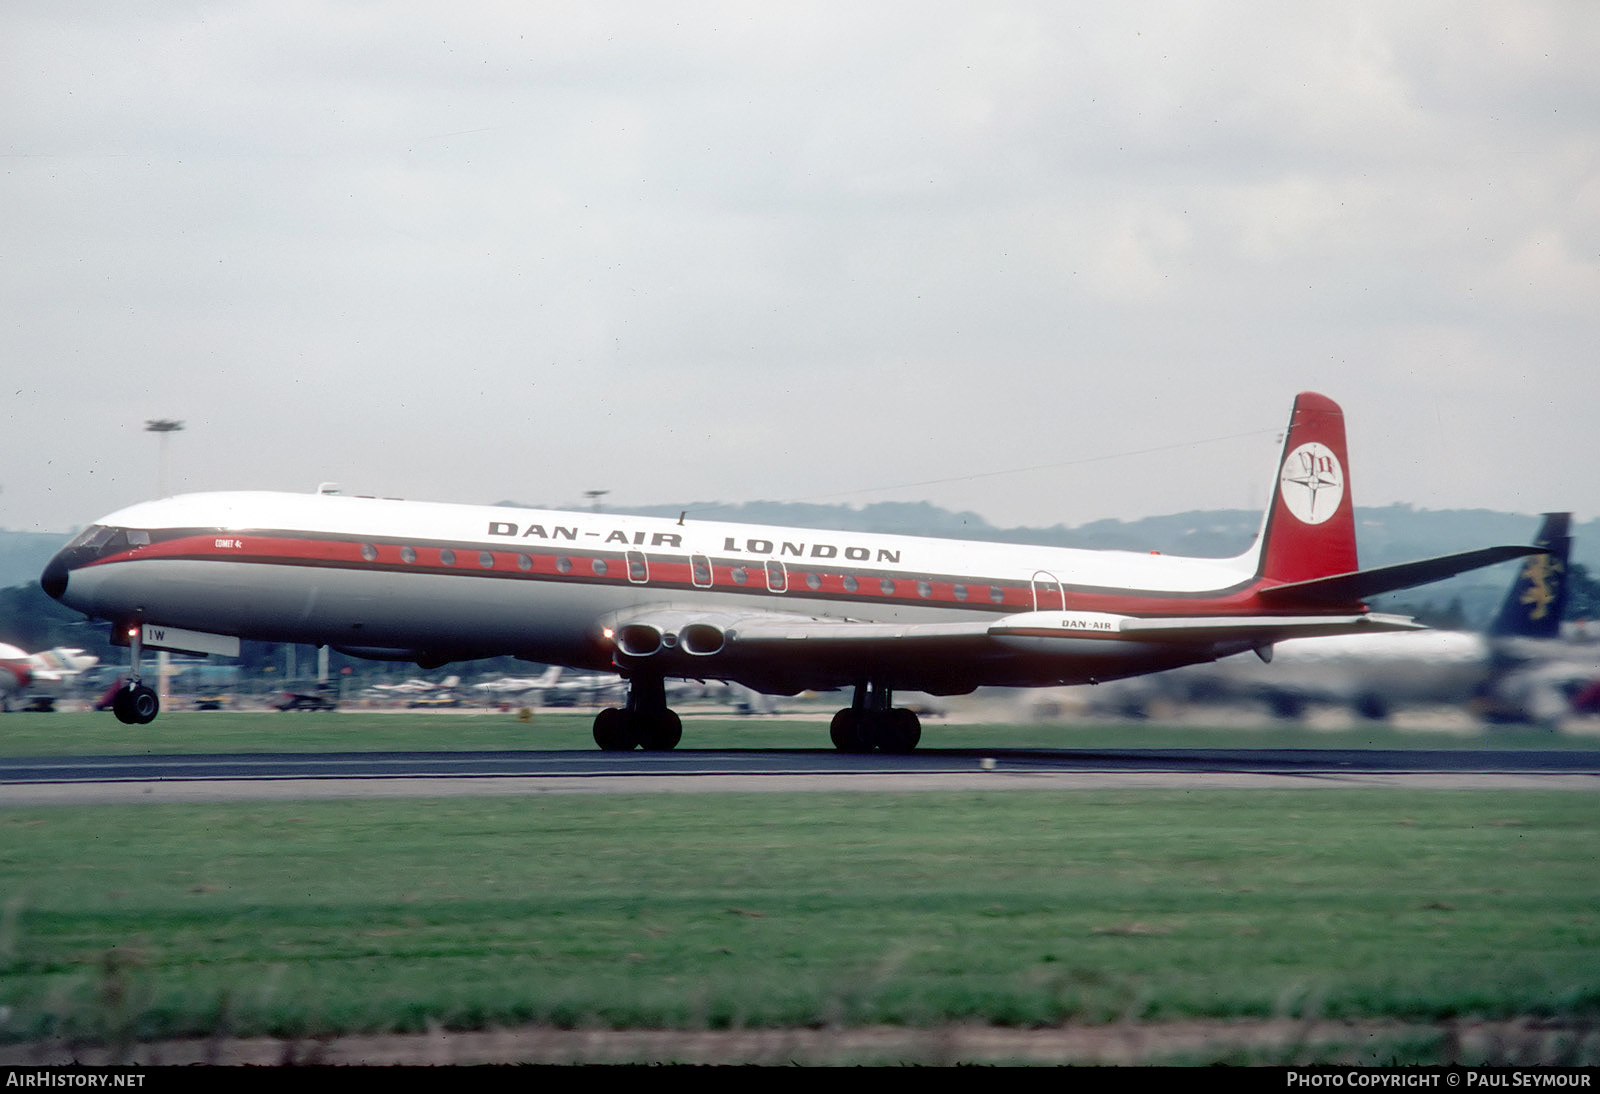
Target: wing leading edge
{"x":792,"y":652}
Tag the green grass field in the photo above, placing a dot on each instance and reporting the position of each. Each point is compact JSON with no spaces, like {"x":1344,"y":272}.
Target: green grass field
{"x":723,"y":911}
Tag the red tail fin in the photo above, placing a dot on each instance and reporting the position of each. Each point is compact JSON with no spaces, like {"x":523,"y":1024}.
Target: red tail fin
{"x":1310,"y":528}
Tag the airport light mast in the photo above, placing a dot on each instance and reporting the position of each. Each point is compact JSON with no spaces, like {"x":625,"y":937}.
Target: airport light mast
{"x":162,"y":427}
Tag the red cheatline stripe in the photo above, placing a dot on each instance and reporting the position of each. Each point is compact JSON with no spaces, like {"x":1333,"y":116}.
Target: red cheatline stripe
{"x":676,"y":572}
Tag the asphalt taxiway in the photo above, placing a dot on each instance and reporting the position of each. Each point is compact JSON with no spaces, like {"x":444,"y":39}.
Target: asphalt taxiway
{"x":289,"y":776}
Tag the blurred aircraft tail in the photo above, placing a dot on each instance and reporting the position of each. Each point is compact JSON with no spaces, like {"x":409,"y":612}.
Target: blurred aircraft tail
{"x":1538,"y":597}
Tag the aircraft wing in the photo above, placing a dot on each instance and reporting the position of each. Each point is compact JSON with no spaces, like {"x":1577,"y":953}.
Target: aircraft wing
{"x":647,"y":633}
{"x":1264,"y":628}
{"x":799,"y":650}
{"x":782,"y":628}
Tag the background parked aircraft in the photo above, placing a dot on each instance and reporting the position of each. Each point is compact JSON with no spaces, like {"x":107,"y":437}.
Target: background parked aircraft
{"x":414,"y":687}
{"x":20,"y":670}
{"x":1517,"y":670}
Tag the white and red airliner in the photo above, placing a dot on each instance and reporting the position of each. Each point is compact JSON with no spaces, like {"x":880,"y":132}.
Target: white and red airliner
{"x":19,"y":669}
{"x":779,"y":610}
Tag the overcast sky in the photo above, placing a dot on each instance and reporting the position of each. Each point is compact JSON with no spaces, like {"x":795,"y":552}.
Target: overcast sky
{"x":826,"y":251}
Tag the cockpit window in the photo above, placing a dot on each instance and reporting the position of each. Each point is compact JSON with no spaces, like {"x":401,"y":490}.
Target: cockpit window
{"x":93,"y":536}
{"x":138,"y":538}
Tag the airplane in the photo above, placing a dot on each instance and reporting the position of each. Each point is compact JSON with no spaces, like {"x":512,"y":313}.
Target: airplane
{"x":507,"y":687}
{"x":20,"y":669}
{"x":779,"y":610}
{"x":1516,"y":671}
{"x":418,"y":686}
{"x":585,"y":690}
{"x":557,"y":688}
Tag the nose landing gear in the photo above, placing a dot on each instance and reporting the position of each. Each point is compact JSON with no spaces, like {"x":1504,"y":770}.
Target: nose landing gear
{"x":136,"y":704}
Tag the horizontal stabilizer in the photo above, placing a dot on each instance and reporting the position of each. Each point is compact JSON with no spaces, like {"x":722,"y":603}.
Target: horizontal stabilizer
{"x":1353,"y":587}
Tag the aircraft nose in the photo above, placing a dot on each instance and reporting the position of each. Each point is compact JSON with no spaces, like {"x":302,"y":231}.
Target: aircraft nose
{"x":54,"y":578}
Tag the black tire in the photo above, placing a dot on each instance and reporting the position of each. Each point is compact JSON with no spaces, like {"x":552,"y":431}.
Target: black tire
{"x":851,"y":731}
{"x":1287,"y":707}
{"x":144,"y":704}
{"x":662,"y":732}
{"x":1372,"y":707}
{"x":613,"y":730}
{"x":122,"y":707}
{"x":901,"y":731}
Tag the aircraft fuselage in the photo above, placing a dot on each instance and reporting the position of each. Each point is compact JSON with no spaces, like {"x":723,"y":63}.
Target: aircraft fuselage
{"x":436,"y":582}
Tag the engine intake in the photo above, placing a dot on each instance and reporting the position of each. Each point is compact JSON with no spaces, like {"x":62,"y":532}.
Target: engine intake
{"x":639,"y":640}
{"x":702,"y":639}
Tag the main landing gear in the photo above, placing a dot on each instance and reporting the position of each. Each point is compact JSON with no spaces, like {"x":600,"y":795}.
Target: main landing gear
{"x":643,"y":722}
{"x":135,"y":704}
{"x":872,"y":721}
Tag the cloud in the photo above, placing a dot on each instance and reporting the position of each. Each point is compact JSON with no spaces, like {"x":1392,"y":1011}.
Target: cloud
{"x":715,"y":251}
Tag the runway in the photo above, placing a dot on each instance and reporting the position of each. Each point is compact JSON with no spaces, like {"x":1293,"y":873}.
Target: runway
{"x":292,"y":776}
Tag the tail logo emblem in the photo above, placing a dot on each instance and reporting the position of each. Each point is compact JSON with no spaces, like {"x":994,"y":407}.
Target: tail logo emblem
{"x":1312,"y":483}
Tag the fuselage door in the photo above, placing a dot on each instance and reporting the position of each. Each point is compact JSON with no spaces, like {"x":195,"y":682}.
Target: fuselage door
{"x":777,"y":577}
{"x":700,"y":571}
{"x":1048,"y":595}
{"x":638,"y":568}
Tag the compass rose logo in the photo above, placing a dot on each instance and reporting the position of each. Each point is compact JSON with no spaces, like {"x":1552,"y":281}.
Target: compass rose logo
{"x":1312,"y":483}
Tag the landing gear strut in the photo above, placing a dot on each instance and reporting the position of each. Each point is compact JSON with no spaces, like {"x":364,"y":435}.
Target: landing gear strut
{"x":135,"y":705}
{"x":872,"y":721}
{"x":643,"y":722}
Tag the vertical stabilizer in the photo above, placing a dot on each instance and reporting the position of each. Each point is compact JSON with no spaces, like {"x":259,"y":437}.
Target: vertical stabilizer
{"x":1538,"y":597}
{"x":1310,"y":529}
